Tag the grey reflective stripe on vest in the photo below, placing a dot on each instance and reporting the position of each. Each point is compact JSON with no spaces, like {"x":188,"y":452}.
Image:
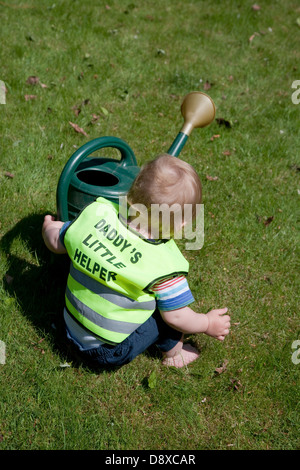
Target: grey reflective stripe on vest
{"x":107,"y":324}
{"x":109,"y":294}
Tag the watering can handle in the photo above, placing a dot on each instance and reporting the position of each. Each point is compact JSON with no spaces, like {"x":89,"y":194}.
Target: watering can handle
{"x":127,"y":159}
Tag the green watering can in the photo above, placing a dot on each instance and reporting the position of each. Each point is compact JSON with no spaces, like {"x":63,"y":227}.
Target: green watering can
{"x":86,"y":178}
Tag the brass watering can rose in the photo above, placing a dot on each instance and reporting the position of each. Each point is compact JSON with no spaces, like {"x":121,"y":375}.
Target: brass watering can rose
{"x":198,"y":110}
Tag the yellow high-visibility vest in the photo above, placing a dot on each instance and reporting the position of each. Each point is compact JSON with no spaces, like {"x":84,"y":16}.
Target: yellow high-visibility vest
{"x":111,"y":269}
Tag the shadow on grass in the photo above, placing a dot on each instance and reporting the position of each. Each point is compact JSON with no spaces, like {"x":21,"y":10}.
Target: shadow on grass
{"x":39,"y":284}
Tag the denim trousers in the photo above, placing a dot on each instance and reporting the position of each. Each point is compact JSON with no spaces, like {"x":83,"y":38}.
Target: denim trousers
{"x":153,"y":331}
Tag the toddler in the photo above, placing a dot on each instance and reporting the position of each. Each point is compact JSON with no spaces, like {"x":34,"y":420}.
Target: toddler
{"x":127,"y":287}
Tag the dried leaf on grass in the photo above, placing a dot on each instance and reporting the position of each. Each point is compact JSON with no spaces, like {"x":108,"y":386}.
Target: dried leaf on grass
{"x":223,"y":368}
{"x":235,"y":384}
{"x":207,"y":85}
{"x":268,"y":221}
{"x":211,"y":178}
{"x":30,"y":97}
{"x":253,"y":36}
{"x":78,"y":129}
{"x":77,"y":108}
{"x":32,"y":80}
{"x":95,"y":118}
{"x":8,"y":174}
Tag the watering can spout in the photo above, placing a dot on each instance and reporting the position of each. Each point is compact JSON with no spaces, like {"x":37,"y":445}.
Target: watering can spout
{"x":198,"y":110}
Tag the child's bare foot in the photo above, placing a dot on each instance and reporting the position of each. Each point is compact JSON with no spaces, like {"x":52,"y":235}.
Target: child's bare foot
{"x":183,"y":357}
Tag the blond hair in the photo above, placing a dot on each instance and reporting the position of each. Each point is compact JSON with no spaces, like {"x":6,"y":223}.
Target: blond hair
{"x":167,"y":180}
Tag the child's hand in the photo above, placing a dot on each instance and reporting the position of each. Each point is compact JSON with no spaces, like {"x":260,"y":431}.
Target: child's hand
{"x":47,"y":220}
{"x":50,"y":233}
{"x":51,"y":223}
{"x":218,"y":323}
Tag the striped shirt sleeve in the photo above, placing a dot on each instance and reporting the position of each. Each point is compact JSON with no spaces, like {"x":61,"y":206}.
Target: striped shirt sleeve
{"x":63,"y":231}
{"x":172,"y":294}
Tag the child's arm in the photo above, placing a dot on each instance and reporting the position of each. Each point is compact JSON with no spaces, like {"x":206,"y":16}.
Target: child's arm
{"x":50,"y":232}
{"x":215,"y":323}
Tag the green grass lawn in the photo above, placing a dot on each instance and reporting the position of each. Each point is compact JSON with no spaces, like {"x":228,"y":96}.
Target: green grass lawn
{"x":122,"y":69}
